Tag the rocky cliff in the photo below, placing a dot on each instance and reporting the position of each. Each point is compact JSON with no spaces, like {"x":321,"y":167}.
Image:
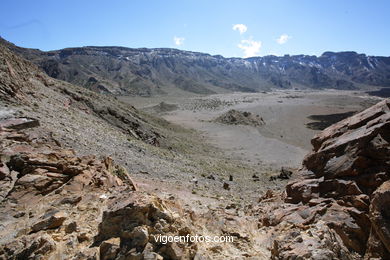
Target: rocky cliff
{"x":337,"y":207}
{"x":146,"y":72}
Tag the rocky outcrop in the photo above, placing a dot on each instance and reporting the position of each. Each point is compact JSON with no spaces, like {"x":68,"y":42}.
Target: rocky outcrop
{"x":234,"y":117}
{"x":30,"y":170}
{"x":57,"y":204}
{"x":48,"y":194}
{"x":343,"y":184}
{"x":379,"y":238}
{"x":131,"y":226}
{"x":15,"y":75}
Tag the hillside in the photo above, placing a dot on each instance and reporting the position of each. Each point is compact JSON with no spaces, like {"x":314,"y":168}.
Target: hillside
{"x":71,"y":160}
{"x":85,"y":176}
{"x":148,"y":72}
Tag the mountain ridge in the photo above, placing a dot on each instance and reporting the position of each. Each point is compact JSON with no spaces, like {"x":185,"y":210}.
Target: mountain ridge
{"x":325,"y":53}
{"x":160,"y":71}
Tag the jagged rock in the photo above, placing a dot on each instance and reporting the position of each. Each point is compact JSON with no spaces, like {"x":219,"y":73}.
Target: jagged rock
{"x":304,"y":190}
{"x":173,"y":251}
{"x":137,"y":219}
{"x":348,"y":166}
{"x":348,"y":147}
{"x":15,"y":75}
{"x":71,"y":227}
{"x":83,"y":237}
{"x":128,"y":212}
{"x":37,"y":176}
{"x":109,"y":249}
{"x":36,"y":246}
{"x":42,"y":173}
{"x":87,"y":254}
{"x":50,"y":220}
{"x":132,"y":254}
{"x":319,"y":244}
{"x":137,"y":238}
{"x":379,"y":241}
{"x":148,"y":253}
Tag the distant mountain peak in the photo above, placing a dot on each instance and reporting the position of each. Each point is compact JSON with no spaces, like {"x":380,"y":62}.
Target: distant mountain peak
{"x":146,"y":72}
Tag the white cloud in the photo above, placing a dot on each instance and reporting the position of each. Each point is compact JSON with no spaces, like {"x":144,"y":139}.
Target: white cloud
{"x":178,"y":40}
{"x":250,"y":47}
{"x":240,"y":27}
{"x":283,"y":38}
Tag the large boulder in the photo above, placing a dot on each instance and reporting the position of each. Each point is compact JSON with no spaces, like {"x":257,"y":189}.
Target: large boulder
{"x":137,"y":220}
{"x":346,"y":177}
{"x":379,"y":242}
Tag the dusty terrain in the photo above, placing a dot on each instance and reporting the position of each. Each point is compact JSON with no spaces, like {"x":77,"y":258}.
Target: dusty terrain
{"x":168,"y":162}
{"x":282,"y":141}
{"x":87,"y":176}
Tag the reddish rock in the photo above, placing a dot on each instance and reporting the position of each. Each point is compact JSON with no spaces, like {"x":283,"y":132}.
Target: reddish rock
{"x":380,"y":219}
{"x":304,"y":190}
{"x":348,"y":166}
{"x":49,"y":221}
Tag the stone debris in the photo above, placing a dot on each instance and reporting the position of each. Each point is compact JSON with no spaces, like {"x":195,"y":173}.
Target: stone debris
{"x":341,"y":194}
{"x":234,"y":117}
{"x":284,"y":174}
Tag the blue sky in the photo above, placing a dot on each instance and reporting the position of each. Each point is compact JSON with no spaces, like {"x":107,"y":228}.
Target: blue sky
{"x":229,"y":28}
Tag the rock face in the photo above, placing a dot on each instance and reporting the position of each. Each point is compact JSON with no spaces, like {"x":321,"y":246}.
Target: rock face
{"x":379,"y":240}
{"x":34,"y":170}
{"x":136,"y":222}
{"x":344,"y":185}
{"x":234,"y":117}
{"x":15,"y":74}
{"x":146,"y":72}
{"x":54,"y":203}
{"x":40,"y":185}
